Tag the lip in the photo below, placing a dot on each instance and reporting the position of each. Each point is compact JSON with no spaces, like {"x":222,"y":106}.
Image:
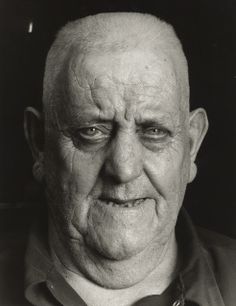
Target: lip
{"x":127,"y":203}
{"x":120,"y":201}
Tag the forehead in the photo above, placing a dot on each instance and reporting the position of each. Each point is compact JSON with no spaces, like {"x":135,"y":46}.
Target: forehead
{"x":129,"y":68}
{"x":117,"y":80}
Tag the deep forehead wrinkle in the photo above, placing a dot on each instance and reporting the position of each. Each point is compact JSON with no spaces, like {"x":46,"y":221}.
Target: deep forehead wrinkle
{"x":87,"y":116}
{"x":131,"y":100}
{"x":146,"y":83}
{"x":107,"y":106}
{"x":132,"y":93}
{"x":137,"y":104}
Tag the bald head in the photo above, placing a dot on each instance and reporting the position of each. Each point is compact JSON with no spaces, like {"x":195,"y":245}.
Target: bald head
{"x":109,"y":33}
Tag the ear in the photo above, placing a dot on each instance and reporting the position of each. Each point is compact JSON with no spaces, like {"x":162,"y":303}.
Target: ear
{"x":33,"y":127}
{"x":198,"y":125}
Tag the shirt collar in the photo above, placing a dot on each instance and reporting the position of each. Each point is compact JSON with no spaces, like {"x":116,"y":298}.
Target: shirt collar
{"x":196,"y":274}
{"x":45,"y":286}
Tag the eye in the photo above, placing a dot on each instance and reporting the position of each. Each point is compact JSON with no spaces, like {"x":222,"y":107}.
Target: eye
{"x":155,"y":133}
{"x":91,"y":134}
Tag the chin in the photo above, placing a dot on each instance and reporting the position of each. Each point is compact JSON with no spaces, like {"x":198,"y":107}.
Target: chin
{"x":114,"y":251}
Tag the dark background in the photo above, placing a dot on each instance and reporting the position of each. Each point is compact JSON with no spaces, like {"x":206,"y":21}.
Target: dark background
{"x":207,"y":30}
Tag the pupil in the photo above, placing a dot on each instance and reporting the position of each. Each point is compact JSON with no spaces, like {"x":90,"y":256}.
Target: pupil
{"x":92,"y":130}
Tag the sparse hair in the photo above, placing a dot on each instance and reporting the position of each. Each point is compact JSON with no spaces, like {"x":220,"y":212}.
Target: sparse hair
{"x":108,"y":32}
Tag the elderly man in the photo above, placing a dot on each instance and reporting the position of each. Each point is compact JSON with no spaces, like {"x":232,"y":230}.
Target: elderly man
{"x":119,"y":148}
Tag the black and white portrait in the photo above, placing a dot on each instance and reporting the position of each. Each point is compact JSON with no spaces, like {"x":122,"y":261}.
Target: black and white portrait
{"x":117,"y":153}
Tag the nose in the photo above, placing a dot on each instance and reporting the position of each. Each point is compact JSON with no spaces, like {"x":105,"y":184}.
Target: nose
{"x":124,"y":160}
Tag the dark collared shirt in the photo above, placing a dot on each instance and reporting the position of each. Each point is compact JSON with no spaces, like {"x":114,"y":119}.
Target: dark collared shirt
{"x":207,"y":276}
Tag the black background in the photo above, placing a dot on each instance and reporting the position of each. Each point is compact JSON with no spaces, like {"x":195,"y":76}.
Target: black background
{"x":207,"y":30}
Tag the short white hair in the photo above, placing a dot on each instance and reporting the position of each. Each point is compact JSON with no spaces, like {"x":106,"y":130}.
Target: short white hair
{"x":108,"y":32}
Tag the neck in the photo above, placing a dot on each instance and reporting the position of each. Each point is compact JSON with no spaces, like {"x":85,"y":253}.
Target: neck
{"x":155,"y":282}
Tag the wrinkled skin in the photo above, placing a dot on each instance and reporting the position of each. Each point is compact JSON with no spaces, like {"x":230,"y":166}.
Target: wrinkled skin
{"x":120,"y":136}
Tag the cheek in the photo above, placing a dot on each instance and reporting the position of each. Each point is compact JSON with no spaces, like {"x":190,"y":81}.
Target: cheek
{"x":71,"y":168}
{"x":70,"y":177}
{"x":168,"y":172}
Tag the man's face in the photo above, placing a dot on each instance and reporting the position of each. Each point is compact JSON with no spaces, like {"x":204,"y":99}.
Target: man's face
{"x":118,"y":163}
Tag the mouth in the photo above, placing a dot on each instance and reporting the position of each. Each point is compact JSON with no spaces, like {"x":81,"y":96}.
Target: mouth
{"x":119,"y":203}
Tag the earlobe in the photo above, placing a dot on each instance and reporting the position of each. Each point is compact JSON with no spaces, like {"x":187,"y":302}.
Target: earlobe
{"x":193,"y":172}
{"x":33,"y":127}
{"x":198,"y":126}
{"x":38,"y":170}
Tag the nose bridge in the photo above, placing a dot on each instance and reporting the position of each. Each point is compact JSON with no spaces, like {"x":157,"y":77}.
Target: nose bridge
{"x":125,"y":158}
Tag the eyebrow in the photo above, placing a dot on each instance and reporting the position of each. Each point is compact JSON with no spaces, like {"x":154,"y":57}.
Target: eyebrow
{"x":161,"y":121}
{"x":151,"y":122}
{"x":87,"y":119}
{"x":154,"y":117}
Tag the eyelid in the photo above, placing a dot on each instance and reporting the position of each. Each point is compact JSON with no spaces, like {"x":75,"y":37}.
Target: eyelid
{"x":101,"y":127}
{"x":155,"y":126}
{"x":101,"y":130}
